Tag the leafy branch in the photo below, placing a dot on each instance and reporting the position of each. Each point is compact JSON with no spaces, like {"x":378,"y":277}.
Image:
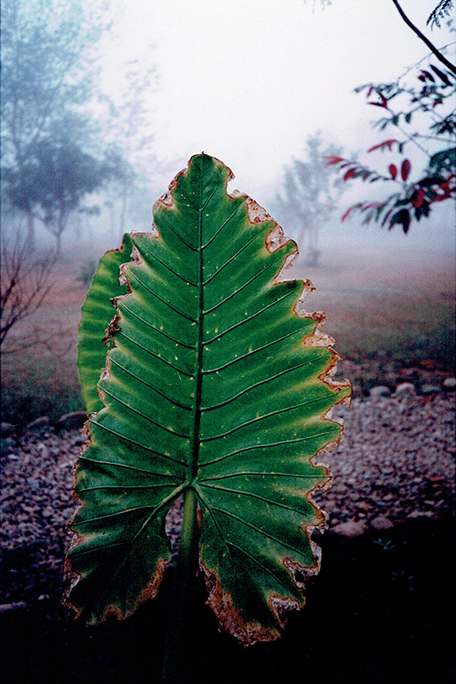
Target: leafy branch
{"x":439,"y":12}
{"x":414,"y":198}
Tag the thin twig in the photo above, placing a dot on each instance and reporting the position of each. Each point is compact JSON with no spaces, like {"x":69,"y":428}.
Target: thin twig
{"x":425,"y":40}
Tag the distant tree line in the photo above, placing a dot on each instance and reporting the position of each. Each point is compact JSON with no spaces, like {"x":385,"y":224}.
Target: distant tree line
{"x":55,"y":151}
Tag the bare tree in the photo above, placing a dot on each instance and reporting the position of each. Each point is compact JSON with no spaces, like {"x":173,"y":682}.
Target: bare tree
{"x":25,"y":283}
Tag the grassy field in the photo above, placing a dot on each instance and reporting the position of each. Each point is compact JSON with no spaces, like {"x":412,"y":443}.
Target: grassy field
{"x":391,"y":317}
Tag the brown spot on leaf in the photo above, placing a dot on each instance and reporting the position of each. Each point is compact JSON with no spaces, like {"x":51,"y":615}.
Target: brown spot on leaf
{"x":248,"y":633}
{"x":112,"y":329}
{"x":300,"y":574}
{"x":256,"y":213}
{"x":282,"y":607}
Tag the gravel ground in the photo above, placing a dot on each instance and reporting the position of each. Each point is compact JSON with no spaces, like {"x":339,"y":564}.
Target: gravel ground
{"x":395,"y":463}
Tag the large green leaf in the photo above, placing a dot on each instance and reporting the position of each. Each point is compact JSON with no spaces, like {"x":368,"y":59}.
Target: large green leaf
{"x":217,"y":384}
{"x":96,"y":314}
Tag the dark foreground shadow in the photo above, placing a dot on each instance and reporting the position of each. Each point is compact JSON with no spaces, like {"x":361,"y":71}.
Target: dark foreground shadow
{"x":382,"y":610}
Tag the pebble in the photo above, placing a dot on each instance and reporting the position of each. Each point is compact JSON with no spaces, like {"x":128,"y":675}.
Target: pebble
{"x":379,"y":391}
{"x":7,"y":429}
{"x":428,"y":389}
{"x":38,"y":424}
{"x":9,"y":607}
{"x":72,"y":421}
{"x":381,"y":523}
{"x":416,"y":515}
{"x":350,"y":529}
{"x":449,"y":384}
{"x":405,"y":388}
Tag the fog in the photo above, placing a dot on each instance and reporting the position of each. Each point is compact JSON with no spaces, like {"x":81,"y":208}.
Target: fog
{"x":248,"y":82}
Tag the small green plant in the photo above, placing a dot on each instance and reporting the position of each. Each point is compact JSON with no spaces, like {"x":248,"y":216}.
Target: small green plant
{"x":387,"y":545}
{"x":86,"y":272}
{"x":215,"y":387}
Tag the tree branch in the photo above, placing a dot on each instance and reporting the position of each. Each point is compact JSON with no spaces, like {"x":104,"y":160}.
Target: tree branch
{"x":425,"y":40}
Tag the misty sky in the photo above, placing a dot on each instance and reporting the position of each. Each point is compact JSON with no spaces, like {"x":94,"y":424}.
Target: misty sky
{"x":248,"y":80}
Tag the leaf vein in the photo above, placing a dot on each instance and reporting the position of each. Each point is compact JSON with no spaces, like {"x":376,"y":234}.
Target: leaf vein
{"x":135,"y":442}
{"x":143,"y":415}
{"x":150,"y":325}
{"x":251,"y":495}
{"x":258,"y":529}
{"x":123,"y":487}
{"x":222,"y":226}
{"x":156,"y":356}
{"x":259,"y":418}
{"x":152,"y":254}
{"x":157,"y":296}
{"x":261,"y":446}
{"x":257,"y":384}
{"x":242,"y":473}
{"x":232,"y":258}
{"x":178,"y":235}
{"x":248,"y":318}
{"x":242,"y":287}
{"x":174,"y":402}
{"x":124,"y":465}
{"x":250,"y":353}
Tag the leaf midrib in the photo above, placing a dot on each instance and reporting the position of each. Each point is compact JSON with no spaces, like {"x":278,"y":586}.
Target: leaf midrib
{"x":196,"y":418}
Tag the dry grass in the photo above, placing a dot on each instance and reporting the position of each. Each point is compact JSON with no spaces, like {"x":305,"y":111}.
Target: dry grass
{"x":42,"y":379}
{"x":386,"y":313}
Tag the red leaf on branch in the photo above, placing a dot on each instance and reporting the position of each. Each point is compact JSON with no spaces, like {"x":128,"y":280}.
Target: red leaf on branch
{"x":405,"y":169}
{"x":418,"y":200}
{"x":349,"y":210}
{"x":371,"y":205}
{"x":425,"y":75}
{"x":350,"y":173}
{"x":383,"y":103}
{"x":393,"y":171}
{"x":333,"y":160}
{"x":445,"y":186}
{"x":386,"y":143}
